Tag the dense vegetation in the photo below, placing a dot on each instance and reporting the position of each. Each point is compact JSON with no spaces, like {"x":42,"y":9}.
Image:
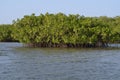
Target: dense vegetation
{"x":60,"y":30}
{"x":5,"y":33}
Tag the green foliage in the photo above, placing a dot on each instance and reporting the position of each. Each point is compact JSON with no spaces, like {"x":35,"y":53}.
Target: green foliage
{"x":5,"y":33}
{"x":60,"y":30}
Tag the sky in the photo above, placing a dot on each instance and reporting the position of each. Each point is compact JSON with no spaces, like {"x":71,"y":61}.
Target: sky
{"x":12,"y":9}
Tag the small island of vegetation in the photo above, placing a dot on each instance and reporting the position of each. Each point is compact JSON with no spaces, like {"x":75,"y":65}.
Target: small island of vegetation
{"x":61,"y":30}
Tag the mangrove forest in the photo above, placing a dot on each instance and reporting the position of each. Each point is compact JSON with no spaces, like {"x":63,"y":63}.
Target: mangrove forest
{"x":61,"y":30}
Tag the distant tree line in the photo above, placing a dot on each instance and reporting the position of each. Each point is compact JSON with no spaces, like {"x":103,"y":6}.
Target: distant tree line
{"x":60,"y":30}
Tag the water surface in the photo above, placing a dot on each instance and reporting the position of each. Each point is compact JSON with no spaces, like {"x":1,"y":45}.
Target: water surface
{"x":18,"y":63}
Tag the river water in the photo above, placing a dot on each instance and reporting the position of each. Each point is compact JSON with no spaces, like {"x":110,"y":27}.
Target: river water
{"x":18,"y":63}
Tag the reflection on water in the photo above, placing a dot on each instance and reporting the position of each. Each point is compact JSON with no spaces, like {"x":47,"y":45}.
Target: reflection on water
{"x":17,"y":63}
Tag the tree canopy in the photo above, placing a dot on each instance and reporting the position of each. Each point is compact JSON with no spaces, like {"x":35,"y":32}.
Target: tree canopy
{"x":60,"y":30}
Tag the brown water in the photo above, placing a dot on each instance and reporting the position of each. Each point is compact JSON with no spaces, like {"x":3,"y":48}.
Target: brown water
{"x":17,"y":63}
